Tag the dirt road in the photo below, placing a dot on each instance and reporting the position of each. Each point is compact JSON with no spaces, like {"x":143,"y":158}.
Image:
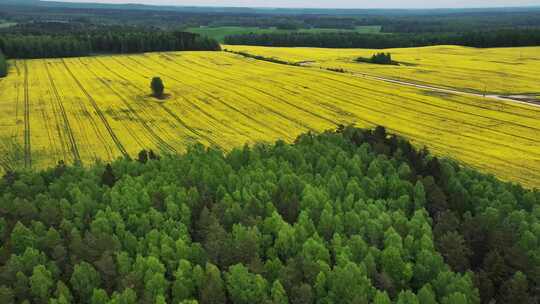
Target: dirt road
{"x":452,"y":91}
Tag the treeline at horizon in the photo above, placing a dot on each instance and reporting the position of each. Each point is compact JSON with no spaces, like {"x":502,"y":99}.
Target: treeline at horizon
{"x":417,"y":21}
{"x":24,"y":46}
{"x":3,"y":65}
{"x":499,"y":38}
{"x":345,"y":216}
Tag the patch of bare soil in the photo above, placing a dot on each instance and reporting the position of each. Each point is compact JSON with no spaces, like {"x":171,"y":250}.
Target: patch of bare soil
{"x":301,"y":63}
{"x":525,"y":98}
{"x":163,"y":97}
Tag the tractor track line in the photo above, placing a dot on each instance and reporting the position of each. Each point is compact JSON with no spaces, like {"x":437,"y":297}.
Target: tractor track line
{"x":89,"y":115}
{"x":269,"y":109}
{"x":17,"y":101}
{"x":231,"y":107}
{"x":154,"y":137}
{"x":67,"y":127}
{"x":308,"y":71}
{"x":439,"y":117}
{"x":415,"y":85}
{"x":17,"y":67}
{"x":176,"y":117}
{"x":450,"y":109}
{"x":48,"y":128}
{"x":415,"y":110}
{"x":443,"y":131}
{"x":436,"y":106}
{"x":213,"y":118}
{"x":158,"y":140}
{"x":27,"y":143}
{"x":57,"y":120}
{"x":410,"y":121}
{"x":100,"y":114}
{"x":417,"y":100}
{"x":128,"y":128}
{"x":185,"y":125}
{"x":265,"y":93}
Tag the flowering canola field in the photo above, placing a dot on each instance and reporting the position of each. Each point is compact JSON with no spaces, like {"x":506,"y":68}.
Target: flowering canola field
{"x":98,"y":108}
{"x":492,"y":70}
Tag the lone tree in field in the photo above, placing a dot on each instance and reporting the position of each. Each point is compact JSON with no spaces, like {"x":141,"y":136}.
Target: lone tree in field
{"x":157,"y":87}
{"x":382,"y":58}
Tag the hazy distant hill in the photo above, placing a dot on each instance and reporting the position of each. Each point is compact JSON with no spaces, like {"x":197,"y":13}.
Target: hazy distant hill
{"x":284,"y":11}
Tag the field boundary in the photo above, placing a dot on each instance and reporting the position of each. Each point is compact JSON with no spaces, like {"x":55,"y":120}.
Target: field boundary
{"x":447,"y":90}
{"x":499,"y":97}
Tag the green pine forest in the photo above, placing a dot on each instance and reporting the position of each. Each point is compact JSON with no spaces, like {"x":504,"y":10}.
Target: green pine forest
{"x":345,"y":216}
{"x":3,"y":65}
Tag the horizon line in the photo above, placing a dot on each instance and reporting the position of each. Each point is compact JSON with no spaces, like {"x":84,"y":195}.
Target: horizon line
{"x":298,"y":7}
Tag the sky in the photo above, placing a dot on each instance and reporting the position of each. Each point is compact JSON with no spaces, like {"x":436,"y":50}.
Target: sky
{"x":332,"y":3}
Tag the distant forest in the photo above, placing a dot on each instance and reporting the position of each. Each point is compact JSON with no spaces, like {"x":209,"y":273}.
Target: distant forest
{"x":156,"y":28}
{"x":18,"y":45}
{"x":400,"y":28}
{"x":499,"y":38}
{"x":346,"y":216}
{"x":392,"y":21}
{"x":3,"y":65}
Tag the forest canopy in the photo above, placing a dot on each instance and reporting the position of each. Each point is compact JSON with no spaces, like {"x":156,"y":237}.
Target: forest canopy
{"x":345,"y":216}
{"x":494,"y":38}
{"x":72,"y":45}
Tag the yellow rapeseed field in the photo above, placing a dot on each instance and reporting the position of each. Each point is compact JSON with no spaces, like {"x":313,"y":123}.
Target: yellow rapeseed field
{"x":491,"y":70}
{"x":84,"y":109}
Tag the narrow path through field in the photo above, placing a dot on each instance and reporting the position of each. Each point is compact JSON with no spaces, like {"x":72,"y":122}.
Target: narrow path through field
{"x":444,"y":90}
{"x":413,"y":84}
{"x":27,"y":145}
